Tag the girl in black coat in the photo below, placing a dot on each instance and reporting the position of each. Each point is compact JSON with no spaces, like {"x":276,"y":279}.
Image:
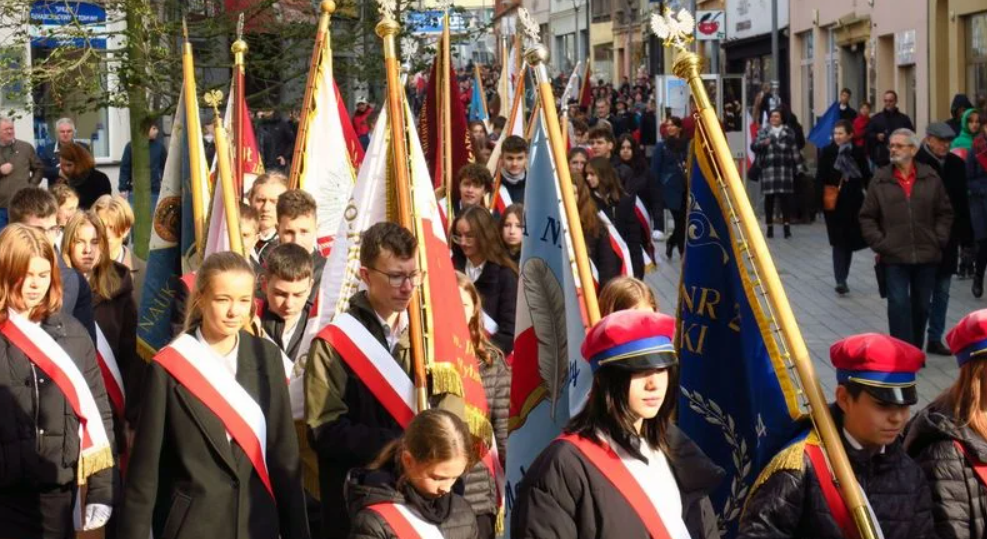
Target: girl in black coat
{"x":479,"y":253}
{"x":617,"y":202}
{"x":956,"y":419}
{"x":39,"y":432}
{"x":844,"y":165}
{"x":188,"y":476}
{"x":627,"y":423}
{"x":412,"y":481}
{"x":607,"y":262}
{"x":512,"y":230}
{"x":77,"y":167}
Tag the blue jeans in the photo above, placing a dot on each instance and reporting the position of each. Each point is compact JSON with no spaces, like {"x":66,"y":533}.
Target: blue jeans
{"x":842,"y":256}
{"x":909,"y":298}
{"x":940,"y":302}
{"x":4,"y":220}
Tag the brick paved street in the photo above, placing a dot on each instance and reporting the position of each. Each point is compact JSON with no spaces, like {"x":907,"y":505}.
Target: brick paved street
{"x":806,"y":269}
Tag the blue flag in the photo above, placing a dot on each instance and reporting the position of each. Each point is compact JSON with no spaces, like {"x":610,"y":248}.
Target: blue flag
{"x":172,"y":242}
{"x":550,"y":380}
{"x":737,"y":399}
{"x":478,"y":109}
{"x":822,"y":134}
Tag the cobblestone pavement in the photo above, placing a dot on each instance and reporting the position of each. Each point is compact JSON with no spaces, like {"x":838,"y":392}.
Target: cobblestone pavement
{"x":806,"y":269}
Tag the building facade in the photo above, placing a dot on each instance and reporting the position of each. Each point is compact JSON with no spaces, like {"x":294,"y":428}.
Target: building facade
{"x":957,"y":53}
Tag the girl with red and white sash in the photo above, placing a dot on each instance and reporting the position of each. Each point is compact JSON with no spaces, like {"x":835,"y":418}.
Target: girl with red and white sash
{"x":215,"y":453}
{"x":55,"y":420}
{"x":621,"y":468}
{"x":407,"y":492}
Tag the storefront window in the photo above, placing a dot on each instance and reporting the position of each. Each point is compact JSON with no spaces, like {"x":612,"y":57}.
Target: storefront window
{"x":808,"y":103}
{"x":976,"y":56}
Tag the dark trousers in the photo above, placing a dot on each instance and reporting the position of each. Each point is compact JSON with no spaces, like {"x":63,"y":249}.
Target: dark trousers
{"x":786,"y":207}
{"x":677,"y":240}
{"x":26,"y":514}
{"x":842,"y":257}
{"x":909,"y":299}
{"x":981,"y":260}
{"x":937,"y":311}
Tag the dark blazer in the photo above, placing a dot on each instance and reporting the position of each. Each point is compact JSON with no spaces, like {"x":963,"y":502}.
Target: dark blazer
{"x":952,"y":172}
{"x":843,"y":223}
{"x":497,"y":286}
{"x":185,"y":480}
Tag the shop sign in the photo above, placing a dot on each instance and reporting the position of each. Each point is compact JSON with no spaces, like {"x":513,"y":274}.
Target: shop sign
{"x":711,"y":25}
{"x":430,"y":22}
{"x":750,"y":18}
{"x":905,"y":48}
{"x":67,"y":24}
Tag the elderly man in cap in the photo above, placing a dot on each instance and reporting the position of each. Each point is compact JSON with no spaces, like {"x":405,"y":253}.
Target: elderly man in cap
{"x":906,"y":219}
{"x":796,"y":495}
{"x":952,"y":171}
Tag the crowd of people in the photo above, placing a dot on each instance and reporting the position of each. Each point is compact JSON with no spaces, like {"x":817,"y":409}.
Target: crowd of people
{"x":247,"y":425}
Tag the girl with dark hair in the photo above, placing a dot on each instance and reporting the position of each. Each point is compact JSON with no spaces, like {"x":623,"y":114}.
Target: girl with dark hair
{"x":578,"y":157}
{"x":844,"y":167}
{"x":480,"y":487}
{"x":623,"y":436}
{"x":410,"y":484}
{"x":512,"y":230}
{"x":605,"y":251}
{"x":478,"y":252}
{"x":617,"y":204}
{"x":668,"y":163}
{"x":215,"y":452}
{"x":777,"y":151}
{"x":643,"y":182}
{"x":78,"y":169}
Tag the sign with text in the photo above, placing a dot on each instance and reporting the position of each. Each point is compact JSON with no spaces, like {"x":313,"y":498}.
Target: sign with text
{"x":749,"y":18}
{"x":430,"y":22}
{"x":711,"y":25}
{"x":67,"y":24}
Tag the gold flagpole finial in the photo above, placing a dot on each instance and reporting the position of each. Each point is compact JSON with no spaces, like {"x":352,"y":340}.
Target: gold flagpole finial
{"x":328,"y":7}
{"x":184,"y":29}
{"x":214,"y":98}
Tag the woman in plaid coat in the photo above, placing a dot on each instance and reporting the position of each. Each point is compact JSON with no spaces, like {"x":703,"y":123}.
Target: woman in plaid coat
{"x":779,"y":157}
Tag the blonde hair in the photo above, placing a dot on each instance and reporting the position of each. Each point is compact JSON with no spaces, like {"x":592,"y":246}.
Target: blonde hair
{"x":622,"y":293}
{"x":18,"y":245}
{"x":103,"y":279}
{"x":966,"y":396}
{"x":214,"y":265}
{"x":115,"y":213}
{"x":484,"y":350}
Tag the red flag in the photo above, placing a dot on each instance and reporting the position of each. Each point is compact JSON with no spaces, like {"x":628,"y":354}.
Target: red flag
{"x":586,"y":91}
{"x":430,"y":123}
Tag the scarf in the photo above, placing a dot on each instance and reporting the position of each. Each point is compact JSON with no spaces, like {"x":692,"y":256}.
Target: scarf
{"x":434,"y":510}
{"x":980,"y":150}
{"x":845,"y":162}
{"x":776,"y":131}
{"x":513,"y":180}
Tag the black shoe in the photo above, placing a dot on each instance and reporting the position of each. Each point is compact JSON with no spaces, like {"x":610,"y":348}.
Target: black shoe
{"x":842,"y":289}
{"x":937,"y":348}
{"x":978,"y":286}
{"x":788,"y":231}
{"x":771,"y":231}
{"x":669,"y":248}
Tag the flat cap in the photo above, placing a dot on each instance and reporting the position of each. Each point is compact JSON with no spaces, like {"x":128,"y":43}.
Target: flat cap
{"x":940,"y":130}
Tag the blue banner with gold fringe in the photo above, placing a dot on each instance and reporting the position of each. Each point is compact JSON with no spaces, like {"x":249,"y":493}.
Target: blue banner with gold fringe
{"x":737,"y":399}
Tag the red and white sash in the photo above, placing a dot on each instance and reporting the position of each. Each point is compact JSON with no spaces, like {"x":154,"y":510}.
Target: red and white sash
{"x":647,"y":244}
{"x":374,"y":365}
{"x":110,"y":370}
{"x":831,"y":493}
{"x":95,"y":453}
{"x":405,"y":522}
{"x":490,"y":326}
{"x":503,"y":199}
{"x":610,"y":465}
{"x":193,"y":365}
{"x":295,"y":375}
{"x":618,"y":245}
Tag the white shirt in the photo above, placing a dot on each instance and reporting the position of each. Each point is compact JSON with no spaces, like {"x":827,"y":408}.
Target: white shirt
{"x":857,"y":445}
{"x":392,"y":336}
{"x":474,"y":272}
{"x":290,"y":331}
{"x":658,"y":482}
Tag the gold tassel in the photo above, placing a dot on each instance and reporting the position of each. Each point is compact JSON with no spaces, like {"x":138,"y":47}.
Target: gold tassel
{"x":93,"y":461}
{"x":479,"y":424}
{"x":499,"y":523}
{"x":445,"y":379}
{"x":790,"y":458}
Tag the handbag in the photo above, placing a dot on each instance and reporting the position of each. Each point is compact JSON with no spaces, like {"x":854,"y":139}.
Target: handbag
{"x":830,"y":194}
{"x":754,"y":173}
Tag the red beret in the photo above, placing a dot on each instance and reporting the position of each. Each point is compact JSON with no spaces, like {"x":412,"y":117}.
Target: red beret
{"x":968,"y":340}
{"x":631,"y":339}
{"x":882,"y":363}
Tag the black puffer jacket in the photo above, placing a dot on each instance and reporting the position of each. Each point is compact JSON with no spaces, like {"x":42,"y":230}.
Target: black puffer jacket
{"x":959,"y":498}
{"x":39,"y":433}
{"x":564,"y":496}
{"x":480,"y":488}
{"x":365,"y":488}
{"x":790,"y":503}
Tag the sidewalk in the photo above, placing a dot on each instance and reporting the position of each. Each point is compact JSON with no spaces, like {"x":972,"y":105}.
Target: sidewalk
{"x":806,"y":269}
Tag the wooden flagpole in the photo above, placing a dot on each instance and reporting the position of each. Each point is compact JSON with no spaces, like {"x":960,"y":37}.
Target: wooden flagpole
{"x":321,"y":48}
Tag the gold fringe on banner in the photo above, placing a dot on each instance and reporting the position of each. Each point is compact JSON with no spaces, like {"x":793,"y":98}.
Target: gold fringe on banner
{"x":94,"y":460}
{"x":446,"y":379}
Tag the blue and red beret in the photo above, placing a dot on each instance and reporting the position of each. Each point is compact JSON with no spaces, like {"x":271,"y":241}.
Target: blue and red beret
{"x":968,"y":340}
{"x":632,"y":340}
{"x":883,"y":365}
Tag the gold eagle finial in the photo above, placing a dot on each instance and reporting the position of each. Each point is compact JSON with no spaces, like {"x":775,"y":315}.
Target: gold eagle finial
{"x":213,"y":98}
{"x":675,"y":30}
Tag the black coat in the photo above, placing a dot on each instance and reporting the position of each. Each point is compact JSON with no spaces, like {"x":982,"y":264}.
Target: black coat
{"x":369,"y":487}
{"x":627,"y":224}
{"x":959,"y":498}
{"x":790,"y":503}
{"x":39,"y":432}
{"x":563,"y":495}
{"x":497,"y":286}
{"x":91,"y":187}
{"x":185,"y":480}
{"x":843,"y":223}
{"x":599,"y":250}
{"x":77,"y":297}
{"x":884,"y":123}
{"x":952,"y":172}
{"x":117,"y":318}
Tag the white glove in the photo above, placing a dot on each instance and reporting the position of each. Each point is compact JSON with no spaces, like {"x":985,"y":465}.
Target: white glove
{"x":97,"y":515}
{"x":658,"y":235}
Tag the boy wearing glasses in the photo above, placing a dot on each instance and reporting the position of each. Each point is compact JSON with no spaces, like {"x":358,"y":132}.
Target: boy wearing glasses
{"x":359,"y":369}
{"x":36,"y":207}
